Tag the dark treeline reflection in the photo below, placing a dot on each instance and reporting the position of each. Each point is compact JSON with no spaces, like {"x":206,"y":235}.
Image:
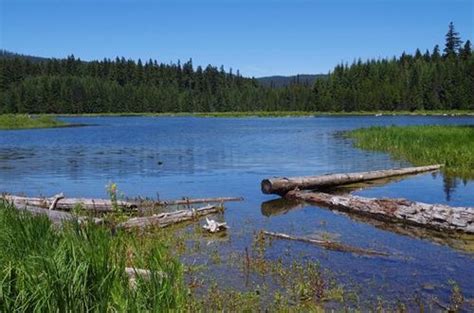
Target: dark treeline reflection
{"x":427,"y":80}
{"x":78,"y":162}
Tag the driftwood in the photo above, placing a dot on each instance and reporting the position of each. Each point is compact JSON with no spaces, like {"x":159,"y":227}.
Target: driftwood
{"x":326,"y":244}
{"x":55,"y":201}
{"x":57,"y":217}
{"x":59,"y":202}
{"x":213,"y":227}
{"x":281,"y":185}
{"x":455,"y":240}
{"x":166,"y":219}
{"x":144,"y":274}
{"x":458,"y":241}
{"x":435,"y":216}
{"x":134,"y":272}
{"x":67,"y":204}
{"x":187,"y":201}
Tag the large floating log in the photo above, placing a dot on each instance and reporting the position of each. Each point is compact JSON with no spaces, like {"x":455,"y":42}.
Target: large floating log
{"x":435,"y":216}
{"x":169,"y":218}
{"x":281,"y":185}
{"x":326,"y":244}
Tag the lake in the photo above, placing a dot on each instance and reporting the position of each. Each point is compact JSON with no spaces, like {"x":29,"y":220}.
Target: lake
{"x":172,"y":157}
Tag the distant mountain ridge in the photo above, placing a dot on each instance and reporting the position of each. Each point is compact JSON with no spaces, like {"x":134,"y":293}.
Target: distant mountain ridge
{"x":279,"y":81}
{"x":5,"y":54}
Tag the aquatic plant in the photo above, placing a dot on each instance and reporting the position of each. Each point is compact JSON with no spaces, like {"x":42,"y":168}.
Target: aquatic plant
{"x":452,"y":146}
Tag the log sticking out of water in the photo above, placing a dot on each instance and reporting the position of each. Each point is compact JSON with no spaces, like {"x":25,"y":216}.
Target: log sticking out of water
{"x":166,"y":219}
{"x":435,"y":216}
{"x":282,"y":185}
{"x":326,"y":244}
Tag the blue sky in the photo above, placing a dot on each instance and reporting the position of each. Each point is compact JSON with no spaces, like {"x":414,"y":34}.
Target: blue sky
{"x":260,"y":37}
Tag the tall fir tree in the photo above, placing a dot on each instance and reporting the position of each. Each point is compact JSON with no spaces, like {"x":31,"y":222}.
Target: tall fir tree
{"x":453,"y":42}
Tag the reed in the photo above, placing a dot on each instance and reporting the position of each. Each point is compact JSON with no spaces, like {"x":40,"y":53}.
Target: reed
{"x":81,"y":267}
{"x":421,"y":145}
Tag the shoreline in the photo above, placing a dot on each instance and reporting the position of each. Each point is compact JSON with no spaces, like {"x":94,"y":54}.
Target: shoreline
{"x":272,"y":114}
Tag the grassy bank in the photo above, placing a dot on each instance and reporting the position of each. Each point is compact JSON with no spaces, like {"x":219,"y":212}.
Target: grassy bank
{"x":421,"y":145}
{"x":24,"y":121}
{"x":284,"y":113}
{"x":80,"y":268}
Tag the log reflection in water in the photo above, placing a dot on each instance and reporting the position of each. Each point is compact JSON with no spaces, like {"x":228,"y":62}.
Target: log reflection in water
{"x":280,"y":206}
{"x":458,"y":241}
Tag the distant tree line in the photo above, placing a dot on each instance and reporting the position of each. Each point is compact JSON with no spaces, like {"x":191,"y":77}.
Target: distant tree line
{"x":430,"y":80}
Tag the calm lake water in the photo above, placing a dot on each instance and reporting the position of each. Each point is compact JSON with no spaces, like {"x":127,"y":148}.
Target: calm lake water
{"x":203,"y":157}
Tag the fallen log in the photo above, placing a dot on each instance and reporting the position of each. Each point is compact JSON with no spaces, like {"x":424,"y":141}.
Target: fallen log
{"x":326,"y":244}
{"x":435,"y":216}
{"x":139,"y":273}
{"x":456,"y":240}
{"x":165,"y":219}
{"x":57,"y":217}
{"x":68,"y":204}
{"x":188,"y":201}
{"x":281,"y":185}
{"x":59,"y":202}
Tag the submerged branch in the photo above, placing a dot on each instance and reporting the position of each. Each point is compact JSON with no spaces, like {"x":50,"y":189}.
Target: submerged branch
{"x":326,"y":244}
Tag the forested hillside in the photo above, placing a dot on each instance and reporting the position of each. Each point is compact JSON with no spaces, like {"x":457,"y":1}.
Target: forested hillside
{"x":430,"y":80}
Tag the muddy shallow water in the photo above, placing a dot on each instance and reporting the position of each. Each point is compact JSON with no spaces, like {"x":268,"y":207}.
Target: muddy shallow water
{"x":172,"y":157}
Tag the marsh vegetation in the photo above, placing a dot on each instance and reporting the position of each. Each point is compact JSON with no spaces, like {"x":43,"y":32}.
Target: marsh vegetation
{"x":25,"y":121}
{"x":452,"y":146}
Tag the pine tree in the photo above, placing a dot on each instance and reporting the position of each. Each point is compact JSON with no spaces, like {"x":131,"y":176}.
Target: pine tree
{"x":466,"y":51}
{"x":453,"y":42}
{"x":435,"y":55}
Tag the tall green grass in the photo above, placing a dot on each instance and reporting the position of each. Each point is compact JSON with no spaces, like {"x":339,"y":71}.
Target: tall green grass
{"x":24,"y":121}
{"x":79,"y":268}
{"x":422,"y":145}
